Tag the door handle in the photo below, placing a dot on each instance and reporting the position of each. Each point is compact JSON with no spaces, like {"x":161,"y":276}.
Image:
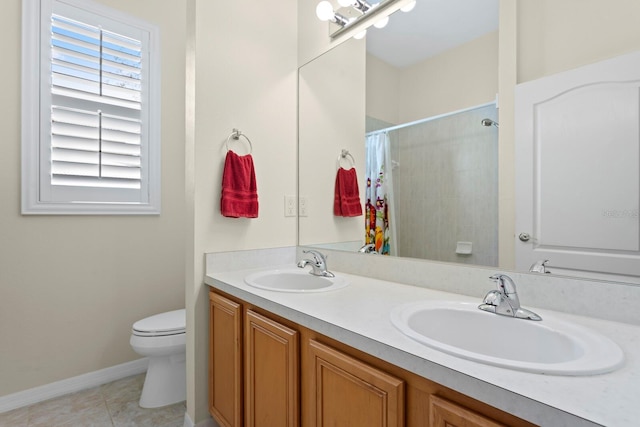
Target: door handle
{"x":524,"y":237}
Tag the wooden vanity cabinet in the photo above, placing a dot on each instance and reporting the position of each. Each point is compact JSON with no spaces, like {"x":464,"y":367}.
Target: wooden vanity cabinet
{"x":253,"y":367}
{"x":266,"y":371}
{"x":343,"y":386}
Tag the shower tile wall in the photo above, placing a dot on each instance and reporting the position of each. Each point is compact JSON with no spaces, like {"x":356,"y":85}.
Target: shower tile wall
{"x":447,"y":188}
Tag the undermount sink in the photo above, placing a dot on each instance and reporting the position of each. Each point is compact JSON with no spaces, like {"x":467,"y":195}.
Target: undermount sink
{"x":549,"y":346}
{"x":294,"y":280}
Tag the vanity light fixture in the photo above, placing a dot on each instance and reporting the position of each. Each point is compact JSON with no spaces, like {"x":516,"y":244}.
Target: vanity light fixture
{"x":381,"y":23}
{"x":325,"y":12}
{"x":376,"y":14}
{"x":409,"y":7}
{"x":360,"y":5}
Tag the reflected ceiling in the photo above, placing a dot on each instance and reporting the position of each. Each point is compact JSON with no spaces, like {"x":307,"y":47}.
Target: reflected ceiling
{"x":432,"y":27}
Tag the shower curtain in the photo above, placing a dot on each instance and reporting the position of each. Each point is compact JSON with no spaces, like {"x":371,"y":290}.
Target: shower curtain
{"x":379,"y":208}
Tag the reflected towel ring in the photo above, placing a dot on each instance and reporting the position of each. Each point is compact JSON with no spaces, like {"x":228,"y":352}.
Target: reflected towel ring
{"x":343,"y":155}
{"x":236,"y":134}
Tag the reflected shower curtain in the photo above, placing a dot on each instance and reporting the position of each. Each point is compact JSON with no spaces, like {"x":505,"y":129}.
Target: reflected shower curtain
{"x":379,"y":226}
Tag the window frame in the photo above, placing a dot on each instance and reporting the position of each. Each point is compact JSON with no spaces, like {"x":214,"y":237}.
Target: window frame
{"x":36,"y":107}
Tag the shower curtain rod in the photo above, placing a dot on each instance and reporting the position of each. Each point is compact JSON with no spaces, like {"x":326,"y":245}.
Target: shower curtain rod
{"x":428,"y":119}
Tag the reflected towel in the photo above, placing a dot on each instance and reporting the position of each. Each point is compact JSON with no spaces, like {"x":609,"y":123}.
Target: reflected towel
{"x":239,"y":189}
{"x":346,"y":200}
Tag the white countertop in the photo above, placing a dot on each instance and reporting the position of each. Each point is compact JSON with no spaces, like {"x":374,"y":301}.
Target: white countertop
{"x":358,"y":315}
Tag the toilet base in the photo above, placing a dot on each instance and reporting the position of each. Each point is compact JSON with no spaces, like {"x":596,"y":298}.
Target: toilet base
{"x":166,"y":381}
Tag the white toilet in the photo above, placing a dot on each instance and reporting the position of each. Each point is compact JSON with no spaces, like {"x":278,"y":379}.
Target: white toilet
{"x":162,"y":339}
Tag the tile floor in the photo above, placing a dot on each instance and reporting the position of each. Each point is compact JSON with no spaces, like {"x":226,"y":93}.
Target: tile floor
{"x":109,"y":405}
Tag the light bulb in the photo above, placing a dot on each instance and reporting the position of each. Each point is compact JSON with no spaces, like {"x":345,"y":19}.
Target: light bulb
{"x":360,"y":35}
{"x":409,"y":7}
{"x":382,"y":22}
{"x":324,"y":11}
{"x":346,"y":3}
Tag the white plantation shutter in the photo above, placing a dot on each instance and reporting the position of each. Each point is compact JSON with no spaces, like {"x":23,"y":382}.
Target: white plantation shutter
{"x":94,"y":150}
{"x":98,"y":149}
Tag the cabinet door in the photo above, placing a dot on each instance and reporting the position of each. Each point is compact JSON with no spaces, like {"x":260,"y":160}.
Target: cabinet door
{"x":225,"y":361}
{"x":347,"y":392}
{"x":271,"y":373}
{"x":444,"y":413}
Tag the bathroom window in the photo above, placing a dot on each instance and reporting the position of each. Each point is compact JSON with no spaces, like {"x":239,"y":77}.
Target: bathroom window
{"x":90,"y":110}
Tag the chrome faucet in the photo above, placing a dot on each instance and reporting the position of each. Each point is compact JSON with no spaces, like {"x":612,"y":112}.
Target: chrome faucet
{"x":368,"y":249}
{"x":539,"y":267}
{"x":505,"y":301}
{"x":318,"y":264}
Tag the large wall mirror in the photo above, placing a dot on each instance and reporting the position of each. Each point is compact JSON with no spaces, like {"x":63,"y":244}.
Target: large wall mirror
{"x":417,"y":100}
{"x":436,"y":67}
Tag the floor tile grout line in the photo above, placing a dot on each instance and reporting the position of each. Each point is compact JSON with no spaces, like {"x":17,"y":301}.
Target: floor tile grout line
{"x":106,"y":405}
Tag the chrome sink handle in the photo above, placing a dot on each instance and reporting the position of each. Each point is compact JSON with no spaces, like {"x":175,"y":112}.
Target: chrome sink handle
{"x":539,"y":267}
{"x":368,"y":249}
{"x":318,"y":264}
{"x":319,"y":258}
{"x":505,"y":301}
{"x":508,"y":289}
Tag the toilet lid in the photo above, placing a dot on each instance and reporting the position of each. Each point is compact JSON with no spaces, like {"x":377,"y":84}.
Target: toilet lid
{"x":169,"y":323}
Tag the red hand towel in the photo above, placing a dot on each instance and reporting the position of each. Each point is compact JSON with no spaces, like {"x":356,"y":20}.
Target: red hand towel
{"x":346,"y":200}
{"x":239,"y":189}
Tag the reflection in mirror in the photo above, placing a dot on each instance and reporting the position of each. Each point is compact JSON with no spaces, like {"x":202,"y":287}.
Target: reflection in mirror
{"x":458,"y":73}
{"x":443,"y":200}
{"x":438,"y":59}
{"x":331,"y":118}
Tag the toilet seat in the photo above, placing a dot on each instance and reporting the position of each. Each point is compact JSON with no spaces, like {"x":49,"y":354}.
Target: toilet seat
{"x":163,"y":324}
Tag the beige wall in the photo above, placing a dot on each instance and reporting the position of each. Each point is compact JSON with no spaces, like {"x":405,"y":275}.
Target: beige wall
{"x":382,"y":90}
{"x":459,"y":78}
{"x":71,"y":286}
{"x":244,"y":60}
{"x":554,"y":36}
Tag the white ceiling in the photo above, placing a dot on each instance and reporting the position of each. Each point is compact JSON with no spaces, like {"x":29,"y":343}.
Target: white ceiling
{"x":432,"y":27}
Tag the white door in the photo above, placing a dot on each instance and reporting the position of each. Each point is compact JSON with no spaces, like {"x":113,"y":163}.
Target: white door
{"x":578,"y":169}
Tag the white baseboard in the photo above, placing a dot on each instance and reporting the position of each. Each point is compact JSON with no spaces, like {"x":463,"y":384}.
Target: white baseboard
{"x":71,"y":385}
{"x":209,"y":422}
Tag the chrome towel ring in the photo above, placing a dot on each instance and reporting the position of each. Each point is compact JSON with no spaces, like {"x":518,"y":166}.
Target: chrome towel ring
{"x":343,"y":155}
{"x":236,"y":134}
